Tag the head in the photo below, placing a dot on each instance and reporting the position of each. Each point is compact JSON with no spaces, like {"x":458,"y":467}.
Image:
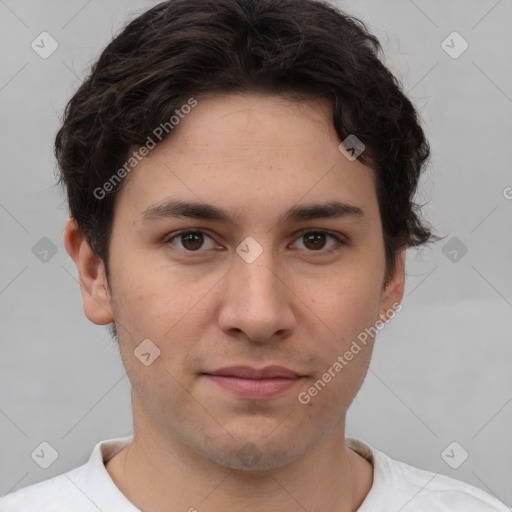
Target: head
{"x":224,"y":119}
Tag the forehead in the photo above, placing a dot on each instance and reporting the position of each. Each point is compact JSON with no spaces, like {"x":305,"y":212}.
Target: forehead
{"x":250,"y":122}
{"x":254,"y":153}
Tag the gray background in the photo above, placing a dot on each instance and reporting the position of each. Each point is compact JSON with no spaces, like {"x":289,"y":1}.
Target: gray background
{"x":441,"y":370}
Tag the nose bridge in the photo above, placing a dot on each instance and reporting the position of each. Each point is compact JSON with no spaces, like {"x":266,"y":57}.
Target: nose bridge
{"x":257,"y":278}
{"x":256,"y":299}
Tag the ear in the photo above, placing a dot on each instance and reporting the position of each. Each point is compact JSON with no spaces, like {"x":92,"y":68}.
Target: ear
{"x":393,"y":290}
{"x":91,"y":274}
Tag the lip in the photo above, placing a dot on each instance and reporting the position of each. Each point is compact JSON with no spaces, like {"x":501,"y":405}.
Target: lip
{"x":255,"y":384}
{"x":247,"y":372}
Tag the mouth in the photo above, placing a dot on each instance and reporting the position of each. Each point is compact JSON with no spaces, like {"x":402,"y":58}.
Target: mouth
{"x":255,"y":384}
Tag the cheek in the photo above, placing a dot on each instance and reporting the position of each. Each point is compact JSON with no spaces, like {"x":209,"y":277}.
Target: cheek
{"x":343,"y":315}
{"x":326,"y":398}
{"x":347,"y":304}
{"x":154,"y":302}
{"x":167,"y":309}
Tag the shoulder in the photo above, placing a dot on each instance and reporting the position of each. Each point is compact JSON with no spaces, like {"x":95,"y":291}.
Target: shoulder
{"x":400,"y":486}
{"x":443,"y":493}
{"x":86,"y":488}
{"x":53,"y":495}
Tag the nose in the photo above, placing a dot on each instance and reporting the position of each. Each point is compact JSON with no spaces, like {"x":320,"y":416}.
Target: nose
{"x":257,"y":302}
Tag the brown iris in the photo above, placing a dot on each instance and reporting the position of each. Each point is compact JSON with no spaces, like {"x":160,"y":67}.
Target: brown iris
{"x":316,"y":239}
{"x":192,"y":240}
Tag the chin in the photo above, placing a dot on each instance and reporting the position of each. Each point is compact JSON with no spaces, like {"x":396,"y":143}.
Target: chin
{"x":252,"y":455}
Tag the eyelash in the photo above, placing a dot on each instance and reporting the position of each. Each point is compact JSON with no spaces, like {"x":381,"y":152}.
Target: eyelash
{"x":340,"y":241}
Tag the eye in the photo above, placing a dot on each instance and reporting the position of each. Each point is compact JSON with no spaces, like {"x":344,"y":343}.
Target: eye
{"x":315,"y":241}
{"x":191,"y":241}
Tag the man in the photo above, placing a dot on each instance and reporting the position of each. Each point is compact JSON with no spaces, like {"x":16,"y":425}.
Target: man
{"x":240,"y":177}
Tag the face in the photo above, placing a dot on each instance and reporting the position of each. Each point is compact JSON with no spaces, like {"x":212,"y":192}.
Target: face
{"x":281,"y":263}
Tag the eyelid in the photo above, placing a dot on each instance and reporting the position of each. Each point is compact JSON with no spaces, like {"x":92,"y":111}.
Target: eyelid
{"x":175,"y":234}
{"x":339,"y":237}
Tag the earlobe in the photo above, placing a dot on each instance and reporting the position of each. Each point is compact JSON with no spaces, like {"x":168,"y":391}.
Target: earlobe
{"x":394,"y":290}
{"x":91,"y":274}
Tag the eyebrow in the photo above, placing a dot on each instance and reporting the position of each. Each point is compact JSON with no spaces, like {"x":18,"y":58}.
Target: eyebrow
{"x":202,"y":211}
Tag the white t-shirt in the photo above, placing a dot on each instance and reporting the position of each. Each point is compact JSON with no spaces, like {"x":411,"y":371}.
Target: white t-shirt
{"x":397,"y":486}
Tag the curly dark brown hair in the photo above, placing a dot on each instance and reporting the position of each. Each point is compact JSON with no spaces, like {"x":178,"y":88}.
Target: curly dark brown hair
{"x":301,"y":49}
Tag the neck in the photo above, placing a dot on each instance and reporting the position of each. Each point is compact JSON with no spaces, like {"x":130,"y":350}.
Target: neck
{"x":158,"y":472}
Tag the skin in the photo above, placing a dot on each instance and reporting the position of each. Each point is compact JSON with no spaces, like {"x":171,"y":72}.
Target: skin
{"x":297,"y":305}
